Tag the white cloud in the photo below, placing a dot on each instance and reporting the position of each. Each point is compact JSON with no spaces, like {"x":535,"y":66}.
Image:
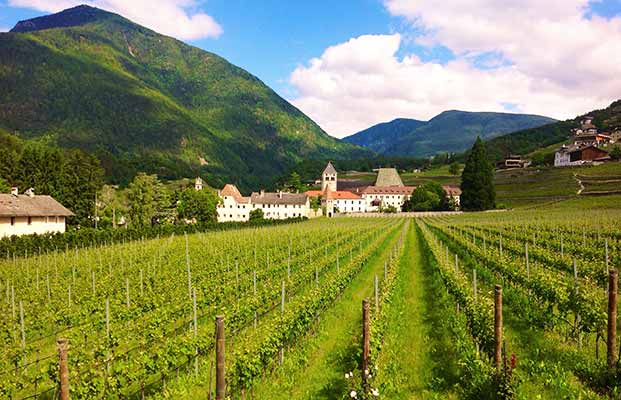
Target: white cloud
{"x":176,"y":18}
{"x":544,"y":57}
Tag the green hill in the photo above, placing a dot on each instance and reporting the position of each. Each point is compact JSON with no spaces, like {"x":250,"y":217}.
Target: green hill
{"x":142,"y":101}
{"x":550,"y":135}
{"x":451,"y":131}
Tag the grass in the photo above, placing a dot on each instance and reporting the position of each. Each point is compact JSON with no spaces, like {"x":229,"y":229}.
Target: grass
{"x":416,"y":359}
{"x":315,"y":368}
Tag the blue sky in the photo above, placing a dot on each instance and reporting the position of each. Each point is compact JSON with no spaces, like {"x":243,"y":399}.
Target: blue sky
{"x":351,"y":63}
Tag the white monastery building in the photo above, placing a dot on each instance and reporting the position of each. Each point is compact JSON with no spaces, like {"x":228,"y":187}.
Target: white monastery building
{"x":27,"y":214}
{"x":281,"y":205}
{"x":388,"y":191}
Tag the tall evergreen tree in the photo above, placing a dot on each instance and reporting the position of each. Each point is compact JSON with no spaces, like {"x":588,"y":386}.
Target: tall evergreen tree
{"x":477,"y":180}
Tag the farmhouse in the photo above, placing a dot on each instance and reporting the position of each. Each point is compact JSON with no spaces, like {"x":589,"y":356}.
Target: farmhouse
{"x":27,"y":214}
{"x":578,"y":155}
{"x":587,"y":134}
{"x":281,"y":205}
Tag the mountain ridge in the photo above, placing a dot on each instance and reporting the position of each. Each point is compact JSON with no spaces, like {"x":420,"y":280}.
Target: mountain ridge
{"x":449,"y":131}
{"x":142,"y":101}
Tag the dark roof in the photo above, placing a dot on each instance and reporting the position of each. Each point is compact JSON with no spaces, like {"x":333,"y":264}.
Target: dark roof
{"x":403,"y":190}
{"x":388,"y":177}
{"x":31,"y":206}
{"x":278,"y":198}
{"x":329,"y":169}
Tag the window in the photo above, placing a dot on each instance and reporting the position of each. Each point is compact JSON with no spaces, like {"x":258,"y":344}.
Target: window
{"x":12,"y":221}
{"x":29,"y":220}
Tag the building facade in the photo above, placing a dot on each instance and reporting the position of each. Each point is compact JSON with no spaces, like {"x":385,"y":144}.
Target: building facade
{"x":29,"y":214}
{"x":236,"y":208}
{"x":573,"y":155}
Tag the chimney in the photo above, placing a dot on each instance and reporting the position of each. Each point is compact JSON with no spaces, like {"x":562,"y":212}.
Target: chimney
{"x":262,"y":192}
{"x":280,"y":194}
{"x":14,"y":191}
{"x":30,"y":192}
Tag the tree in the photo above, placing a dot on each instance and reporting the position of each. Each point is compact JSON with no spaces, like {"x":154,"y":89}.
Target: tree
{"x":199,"y":205}
{"x":429,"y":196}
{"x":315,"y":203}
{"x":146,"y":197}
{"x":454,"y":168}
{"x":294,"y":183}
{"x":615,"y":153}
{"x":4,"y":187}
{"x":256,"y":215}
{"x":477,"y":180}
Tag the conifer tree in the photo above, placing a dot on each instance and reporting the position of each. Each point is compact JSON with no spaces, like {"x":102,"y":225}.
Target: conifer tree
{"x":477,"y":181}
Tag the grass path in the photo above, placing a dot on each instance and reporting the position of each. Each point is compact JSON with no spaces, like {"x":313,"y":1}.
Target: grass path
{"x":416,"y":361}
{"x":316,"y":367}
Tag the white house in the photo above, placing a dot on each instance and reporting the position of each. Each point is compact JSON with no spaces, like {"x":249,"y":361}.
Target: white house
{"x":345,"y":202}
{"x":281,"y":205}
{"x":379,"y":197}
{"x":27,"y":214}
{"x":235,"y":207}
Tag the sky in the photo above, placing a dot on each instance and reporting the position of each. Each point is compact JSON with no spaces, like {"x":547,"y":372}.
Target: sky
{"x":350,"y":64}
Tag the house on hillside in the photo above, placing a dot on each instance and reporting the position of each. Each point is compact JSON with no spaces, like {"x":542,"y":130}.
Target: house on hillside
{"x":570,"y":155}
{"x":587,"y":134}
{"x":513,"y":161}
{"x":280,"y":205}
{"x":27,"y":214}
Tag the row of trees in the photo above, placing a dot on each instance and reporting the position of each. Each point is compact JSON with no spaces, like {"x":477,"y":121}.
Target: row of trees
{"x":76,"y":180}
{"x":147,"y":201}
{"x":72,"y":177}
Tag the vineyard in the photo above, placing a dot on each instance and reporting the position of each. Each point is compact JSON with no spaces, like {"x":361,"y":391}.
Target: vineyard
{"x":491,"y":305}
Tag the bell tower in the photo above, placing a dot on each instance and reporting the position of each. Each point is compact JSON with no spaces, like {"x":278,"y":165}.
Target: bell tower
{"x":329,"y":178}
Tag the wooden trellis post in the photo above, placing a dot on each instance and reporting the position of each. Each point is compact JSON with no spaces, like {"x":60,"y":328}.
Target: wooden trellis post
{"x":220,"y":365}
{"x":611,"y":341}
{"x":63,"y":369}
{"x":498,"y":327}
{"x":366,"y":342}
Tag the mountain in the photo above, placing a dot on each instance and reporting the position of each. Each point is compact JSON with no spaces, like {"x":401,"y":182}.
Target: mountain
{"x":529,"y":140}
{"x":380,"y":137}
{"x":450,"y":131}
{"x":141,"y":101}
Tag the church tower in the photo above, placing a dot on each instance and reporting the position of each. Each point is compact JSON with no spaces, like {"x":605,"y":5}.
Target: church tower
{"x":328,"y":178}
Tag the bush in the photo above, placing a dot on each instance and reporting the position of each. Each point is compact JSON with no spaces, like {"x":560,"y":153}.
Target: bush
{"x":257,"y":215}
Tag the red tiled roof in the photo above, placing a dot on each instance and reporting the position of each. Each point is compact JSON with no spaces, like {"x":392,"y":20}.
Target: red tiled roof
{"x":232,"y":191}
{"x":342,"y":195}
{"x":314,"y":193}
{"x":452,"y":190}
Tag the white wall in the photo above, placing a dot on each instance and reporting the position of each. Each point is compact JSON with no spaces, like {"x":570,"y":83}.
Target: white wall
{"x":229,"y":210}
{"x":284,"y":211}
{"x":39,"y":225}
{"x":350,"y":205}
{"x":395,"y":200}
